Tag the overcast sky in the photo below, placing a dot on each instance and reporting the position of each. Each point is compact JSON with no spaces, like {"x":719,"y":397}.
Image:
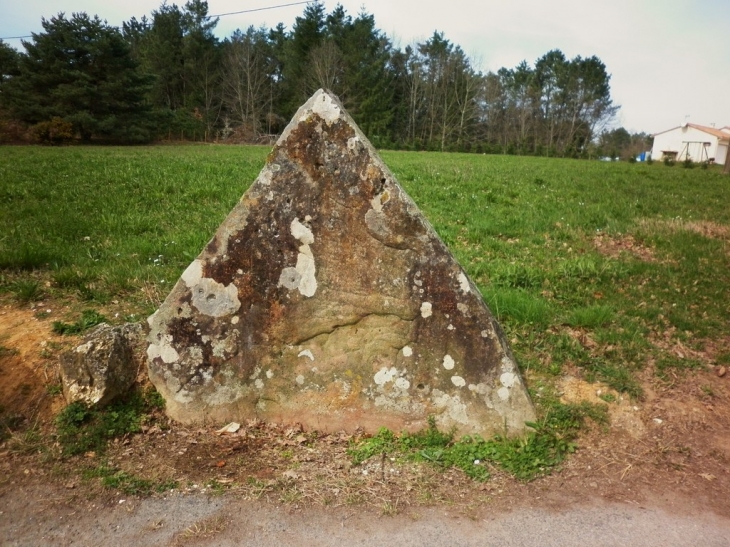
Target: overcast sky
{"x":669,"y":60}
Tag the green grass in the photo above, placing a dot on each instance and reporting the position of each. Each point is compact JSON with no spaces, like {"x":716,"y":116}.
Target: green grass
{"x":82,"y":429}
{"x":103,"y":223}
{"x":537,"y":453}
{"x":590,"y":316}
{"x":27,"y":290}
{"x":88,"y":319}
{"x":114,"y":478}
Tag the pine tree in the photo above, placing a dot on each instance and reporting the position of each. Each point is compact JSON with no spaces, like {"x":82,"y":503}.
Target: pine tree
{"x":80,"y":70}
{"x":8,"y":62}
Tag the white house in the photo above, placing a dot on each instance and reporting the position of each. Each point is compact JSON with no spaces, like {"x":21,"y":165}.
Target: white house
{"x":698,"y":142}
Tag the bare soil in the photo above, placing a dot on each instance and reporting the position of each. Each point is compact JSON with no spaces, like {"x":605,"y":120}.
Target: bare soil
{"x":669,"y":451}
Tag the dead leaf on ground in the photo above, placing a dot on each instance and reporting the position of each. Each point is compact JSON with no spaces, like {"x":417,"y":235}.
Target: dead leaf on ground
{"x":228,"y":429}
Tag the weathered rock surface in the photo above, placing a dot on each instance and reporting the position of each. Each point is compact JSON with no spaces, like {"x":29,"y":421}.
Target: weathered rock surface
{"x":325,"y":298}
{"x":103,"y":367}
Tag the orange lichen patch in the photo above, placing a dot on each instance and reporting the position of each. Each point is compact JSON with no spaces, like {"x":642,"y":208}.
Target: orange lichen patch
{"x":615,"y":246}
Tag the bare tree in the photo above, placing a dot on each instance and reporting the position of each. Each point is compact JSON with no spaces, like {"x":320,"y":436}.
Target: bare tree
{"x":247,"y":79}
{"x":210,"y":92}
{"x":325,"y":69}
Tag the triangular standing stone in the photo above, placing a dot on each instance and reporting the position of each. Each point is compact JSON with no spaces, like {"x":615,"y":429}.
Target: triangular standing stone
{"x":326,"y":299}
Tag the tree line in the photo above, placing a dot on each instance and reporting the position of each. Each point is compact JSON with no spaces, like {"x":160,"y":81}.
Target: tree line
{"x":169,"y":76}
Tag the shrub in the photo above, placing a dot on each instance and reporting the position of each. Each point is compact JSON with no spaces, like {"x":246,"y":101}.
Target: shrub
{"x":55,"y":131}
{"x":669,"y":162}
{"x":11,"y":131}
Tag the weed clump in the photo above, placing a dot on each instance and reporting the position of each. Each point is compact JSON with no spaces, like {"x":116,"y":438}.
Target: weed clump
{"x":82,"y":429}
{"x":535,"y":454}
{"x":27,"y":290}
{"x":126,"y":483}
{"x":89,"y":318}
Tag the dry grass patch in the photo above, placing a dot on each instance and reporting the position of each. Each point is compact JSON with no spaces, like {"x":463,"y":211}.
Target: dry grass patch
{"x":204,"y":529}
{"x":616,"y":245}
{"x":706,"y":228}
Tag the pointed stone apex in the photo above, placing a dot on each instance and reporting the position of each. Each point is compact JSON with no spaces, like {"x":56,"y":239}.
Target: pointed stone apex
{"x":326,"y":299}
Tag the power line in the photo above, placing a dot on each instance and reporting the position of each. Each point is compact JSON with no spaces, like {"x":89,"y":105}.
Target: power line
{"x":259,"y":9}
{"x":207,"y":17}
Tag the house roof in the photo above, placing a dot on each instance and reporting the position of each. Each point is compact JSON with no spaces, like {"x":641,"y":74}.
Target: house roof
{"x":719,"y":133}
{"x":711,"y":130}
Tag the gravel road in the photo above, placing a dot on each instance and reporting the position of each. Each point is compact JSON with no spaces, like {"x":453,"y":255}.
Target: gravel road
{"x":34,"y":518}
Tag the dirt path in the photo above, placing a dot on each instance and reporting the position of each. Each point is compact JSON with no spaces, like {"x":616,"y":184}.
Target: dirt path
{"x":659,"y":475}
{"x":34,"y":516}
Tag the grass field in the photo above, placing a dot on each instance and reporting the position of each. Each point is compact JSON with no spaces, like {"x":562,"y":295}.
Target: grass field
{"x":600,"y":266}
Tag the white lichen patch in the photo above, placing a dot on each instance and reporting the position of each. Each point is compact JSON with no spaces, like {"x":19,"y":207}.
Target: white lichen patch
{"x":300,"y":380}
{"x":193,"y":273}
{"x":195,"y":355}
{"x":399,"y":405}
{"x":289,"y":278}
{"x":265,"y":176}
{"x":503,"y":393}
{"x":183,"y":396}
{"x":214,"y":299}
{"x":454,"y":408}
{"x":306,"y":353}
{"x":353,"y":143}
{"x":402,"y":383}
{"x":426,"y":310}
{"x":448,"y":362}
{"x":306,"y":268}
{"x":508,"y":379}
{"x":407,"y":351}
{"x":458,"y":381}
{"x":84,"y":348}
{"x":224,"y":395}
{"x":225,"y":346}
{"x":302,"y":276}
{"x":464,"y":283}
{"x":450,"y":327}
{"x":385,"y":375}
{"x":507,"y":364}
{"x":259,"y":383}
{"x":163,"y":350}
{"x":463,"y":308}
{"x":378,"y":201}
{"x":301,"y":232}
{"x":481,"y":389}
{"x":269,"y":374}
{"x":326,"y":108}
